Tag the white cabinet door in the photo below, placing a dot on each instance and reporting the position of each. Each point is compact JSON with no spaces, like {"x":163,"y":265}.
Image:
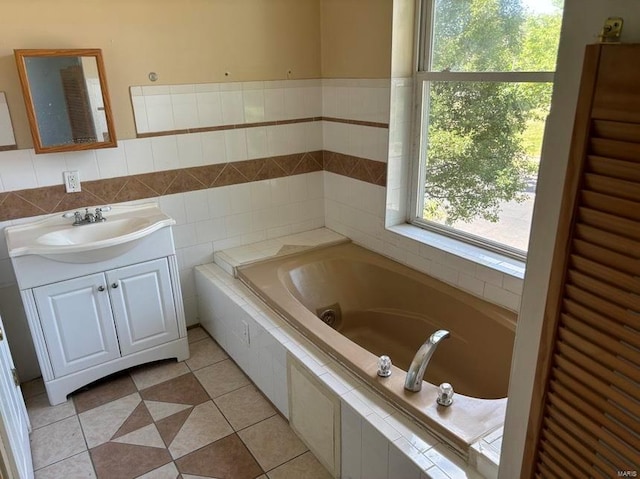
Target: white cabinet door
{"x":143,"y":305}
{"x":77,"y":323}
{"x":13,"y":414}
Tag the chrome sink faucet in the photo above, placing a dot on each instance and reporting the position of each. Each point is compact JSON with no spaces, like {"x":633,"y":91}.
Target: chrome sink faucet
{"x":413,"y":381}
{"x":88,"y":218}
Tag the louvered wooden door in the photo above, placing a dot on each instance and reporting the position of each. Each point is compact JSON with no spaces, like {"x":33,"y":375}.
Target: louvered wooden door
{"x":585,"y":414}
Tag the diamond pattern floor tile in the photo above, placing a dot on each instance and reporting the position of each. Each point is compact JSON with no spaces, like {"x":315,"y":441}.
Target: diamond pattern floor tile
{"x":103,"y":391}
{"x":162,"y":421}
{"x":146,"y":436}
{"x":227,"y":457}
{"x":101,"y":423}
{"x":126,"y":461}
{"x":204,"y":425}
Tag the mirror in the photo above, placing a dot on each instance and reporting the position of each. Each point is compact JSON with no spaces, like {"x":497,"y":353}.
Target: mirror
{"x":7,"y":139}
{"x":65,"y":92}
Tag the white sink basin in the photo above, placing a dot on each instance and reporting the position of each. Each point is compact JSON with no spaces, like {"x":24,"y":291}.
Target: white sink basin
{"x":56,"y":238}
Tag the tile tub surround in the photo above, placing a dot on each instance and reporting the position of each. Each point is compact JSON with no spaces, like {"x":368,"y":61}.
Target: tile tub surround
{"x":162,"y":420}
{"x":375,"y":435}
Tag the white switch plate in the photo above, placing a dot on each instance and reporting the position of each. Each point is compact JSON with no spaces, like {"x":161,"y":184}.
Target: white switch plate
{"x":72,"y":181}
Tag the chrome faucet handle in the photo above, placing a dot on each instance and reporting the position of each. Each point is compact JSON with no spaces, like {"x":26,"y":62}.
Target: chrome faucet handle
{"x":99,"y":211}
{"x":384,"y":366}
{"x":445,"y":395}
{"x":76,"y":215}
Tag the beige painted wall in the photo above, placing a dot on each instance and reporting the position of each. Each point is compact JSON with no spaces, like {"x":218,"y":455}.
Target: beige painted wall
{"x":356,"y":38}
{"x":186,"y":41}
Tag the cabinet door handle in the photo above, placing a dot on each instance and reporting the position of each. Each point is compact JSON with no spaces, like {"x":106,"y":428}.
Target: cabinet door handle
{"x":100,"y":288}
{"x":114,"y":285}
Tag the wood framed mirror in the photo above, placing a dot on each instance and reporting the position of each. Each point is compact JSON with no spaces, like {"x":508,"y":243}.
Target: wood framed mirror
{"x":67,"y":100}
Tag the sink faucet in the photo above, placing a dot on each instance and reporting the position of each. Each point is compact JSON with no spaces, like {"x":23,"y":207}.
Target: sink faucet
{"x":413,"y":381}
{"x":88,"y":218}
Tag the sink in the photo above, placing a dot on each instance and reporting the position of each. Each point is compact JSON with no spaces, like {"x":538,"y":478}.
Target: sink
{"x":93,"y":232}
{"x":55,"y":238}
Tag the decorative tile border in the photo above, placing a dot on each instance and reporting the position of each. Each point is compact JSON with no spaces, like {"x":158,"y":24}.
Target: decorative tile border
{"x":52,"y":199}
{"x":373,"y":124}
{"x":260,"y":124}
{"x":361,"y":169}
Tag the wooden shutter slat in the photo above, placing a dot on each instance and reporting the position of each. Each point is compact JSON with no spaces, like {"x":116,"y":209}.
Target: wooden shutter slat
{"x":603,"y":306}
{"x":560,"y":453}
{"x":611,"y":344}
{"x":623,"y":456}
{"x":620,"y":262}
{"x":606,"y":456}
{"x":620,"y":150}
{"x":604,"y":273}
{"x":584,"y":377}
{"x":598,"y":354}
{"x":604,"y":290}
{"x":624,"y":170}
{"x":612,"y":205}
{"x":595,"y":369}
{"x":616,"y":130}
{"x":583,"y":456}
{"x":597,"y":399}
{"x":598,"y":417}
{"x":602,"y":323}
{"x":551,"y":462}
{"x":610,"y":223}
{"x":612,"y":187}
{"x":613,"y":242}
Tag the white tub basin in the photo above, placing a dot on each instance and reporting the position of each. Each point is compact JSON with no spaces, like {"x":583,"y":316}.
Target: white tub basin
{"x":54,"y":237}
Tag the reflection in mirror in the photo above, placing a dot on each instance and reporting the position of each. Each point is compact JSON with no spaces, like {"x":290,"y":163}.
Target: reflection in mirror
{"x":66,"y":97}
{"x":7,"y":140}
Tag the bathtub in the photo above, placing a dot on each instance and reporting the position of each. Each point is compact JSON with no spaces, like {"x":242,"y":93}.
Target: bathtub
{"x":378,"y":306}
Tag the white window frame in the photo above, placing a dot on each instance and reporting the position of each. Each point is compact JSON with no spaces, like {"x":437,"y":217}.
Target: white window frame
{"x":423,"y":75}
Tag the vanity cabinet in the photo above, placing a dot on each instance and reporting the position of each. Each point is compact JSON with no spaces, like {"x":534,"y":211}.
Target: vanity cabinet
{"x":95,"y":312}
{"x":77,"y":324}
{"x":142,"y":305}
{"x":97,"y":318}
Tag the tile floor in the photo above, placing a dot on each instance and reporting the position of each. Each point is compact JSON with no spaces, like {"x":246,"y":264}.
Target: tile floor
{"x":195,"y":419}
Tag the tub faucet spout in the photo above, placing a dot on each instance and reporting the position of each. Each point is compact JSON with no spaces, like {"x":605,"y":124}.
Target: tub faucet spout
{"x":413,"y":381}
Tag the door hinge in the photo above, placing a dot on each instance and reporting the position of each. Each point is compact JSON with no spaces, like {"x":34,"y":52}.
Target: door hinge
{"x":611,"y":30}
{"x":16,"y":379}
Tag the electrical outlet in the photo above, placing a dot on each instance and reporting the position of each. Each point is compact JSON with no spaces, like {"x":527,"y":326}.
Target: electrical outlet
{"x":72,"y":181}
{"x":245,"y":332}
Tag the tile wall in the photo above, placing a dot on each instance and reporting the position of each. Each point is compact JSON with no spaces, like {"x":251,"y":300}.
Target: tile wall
{"x":348,"y":120}
{"x":207,"y":219}
{"x":359,"y":210}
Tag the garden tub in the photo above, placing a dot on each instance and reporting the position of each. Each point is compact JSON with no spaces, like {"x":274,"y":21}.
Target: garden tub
{"x":356,"y":305}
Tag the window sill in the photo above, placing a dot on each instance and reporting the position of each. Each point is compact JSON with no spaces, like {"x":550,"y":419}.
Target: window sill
{"x":475,"y":254}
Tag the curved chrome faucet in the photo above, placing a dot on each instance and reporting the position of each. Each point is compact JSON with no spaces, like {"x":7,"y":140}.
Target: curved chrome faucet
{"x":413,"y":381}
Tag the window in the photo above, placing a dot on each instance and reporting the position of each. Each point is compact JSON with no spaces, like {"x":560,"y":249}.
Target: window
{"x":484,"y":85}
